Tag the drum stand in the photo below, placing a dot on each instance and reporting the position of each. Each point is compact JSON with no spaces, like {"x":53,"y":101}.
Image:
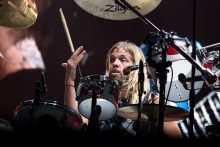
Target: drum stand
{"x":168,"y":39}
{"x":95,"y":111}
{"x":140,"y":92}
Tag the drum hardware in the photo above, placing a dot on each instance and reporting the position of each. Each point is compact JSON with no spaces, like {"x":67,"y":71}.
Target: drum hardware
{"x":140,"y":93}
{"x":41,"y":89}
{"x":95,"y":109}
{"x":168,"y":39}
{"x":18,"y":13}
{"x":210,"y":48}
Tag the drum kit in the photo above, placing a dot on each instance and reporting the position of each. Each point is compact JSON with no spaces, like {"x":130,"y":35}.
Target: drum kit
{"x":51,"y":114}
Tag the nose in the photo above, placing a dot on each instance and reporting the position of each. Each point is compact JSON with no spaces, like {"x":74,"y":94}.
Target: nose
{"x":116,"y":63}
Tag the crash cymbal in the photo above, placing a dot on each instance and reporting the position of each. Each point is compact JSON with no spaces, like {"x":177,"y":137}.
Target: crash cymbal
{"x":107,"y":9}
{"x":17,"y":13}
{"x":151,"y":112}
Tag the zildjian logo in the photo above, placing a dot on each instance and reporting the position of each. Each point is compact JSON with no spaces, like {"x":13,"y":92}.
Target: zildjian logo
{"x":115,"y":8}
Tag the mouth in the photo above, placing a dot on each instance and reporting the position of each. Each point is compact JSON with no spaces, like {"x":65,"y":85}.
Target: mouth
{"x":115,"y":73}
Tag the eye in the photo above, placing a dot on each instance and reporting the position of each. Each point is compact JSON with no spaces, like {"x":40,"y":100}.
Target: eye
{"x":112,"y":59}
{"x":123,"y":59}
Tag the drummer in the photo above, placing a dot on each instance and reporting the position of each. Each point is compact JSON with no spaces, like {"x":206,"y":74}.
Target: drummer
{"x":120,"y":56}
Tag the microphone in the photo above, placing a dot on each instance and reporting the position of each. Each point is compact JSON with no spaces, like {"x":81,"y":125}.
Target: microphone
{"x":129,"y":69}
{"x":182,"y":79}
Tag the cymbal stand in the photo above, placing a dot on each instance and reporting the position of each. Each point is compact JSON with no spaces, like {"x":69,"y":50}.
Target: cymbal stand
{"x":169,"y":40}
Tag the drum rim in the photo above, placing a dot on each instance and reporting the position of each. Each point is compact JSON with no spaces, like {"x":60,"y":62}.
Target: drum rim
{"x":100,"y":76}
{"x":51,"y":103}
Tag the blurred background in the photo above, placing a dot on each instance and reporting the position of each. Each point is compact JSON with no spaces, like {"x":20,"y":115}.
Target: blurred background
{"x":20,"y":69}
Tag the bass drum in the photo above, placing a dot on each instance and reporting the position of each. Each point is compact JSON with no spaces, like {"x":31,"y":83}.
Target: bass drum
{"x":45,"y":116}
{"x":180,"y":68}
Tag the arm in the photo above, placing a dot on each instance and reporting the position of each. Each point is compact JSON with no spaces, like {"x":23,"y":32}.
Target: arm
{"x":71,"y":66}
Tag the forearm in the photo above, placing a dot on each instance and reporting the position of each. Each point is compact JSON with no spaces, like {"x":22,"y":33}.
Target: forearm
{"x":70,"y":97}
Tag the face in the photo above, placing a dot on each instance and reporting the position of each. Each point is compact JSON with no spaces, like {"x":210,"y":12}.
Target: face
{"x":119,"y":60}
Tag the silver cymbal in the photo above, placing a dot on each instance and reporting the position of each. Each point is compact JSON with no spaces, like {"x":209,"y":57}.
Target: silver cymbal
{"x":107,"y":9}
{"x":17,"y":13}
{"x":151,"y":112}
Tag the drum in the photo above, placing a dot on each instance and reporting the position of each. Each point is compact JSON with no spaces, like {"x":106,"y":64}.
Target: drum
{"x":210,"y":61}
{"x":46,"y":116}
{"x":104,"y":89}
{"x":180,"y":67}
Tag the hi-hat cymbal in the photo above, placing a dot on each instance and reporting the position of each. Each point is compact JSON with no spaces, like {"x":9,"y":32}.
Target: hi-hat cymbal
{"x":107,"y":9}
{"x":151,"y":112}
{"x":17,"y":13}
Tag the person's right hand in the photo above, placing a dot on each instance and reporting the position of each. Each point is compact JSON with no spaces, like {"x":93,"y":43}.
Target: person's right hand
{"x":71,"y":65}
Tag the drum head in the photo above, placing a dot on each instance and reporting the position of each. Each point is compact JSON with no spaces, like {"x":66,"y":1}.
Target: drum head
{"x":103,"y":90}
{"x":46,"y":116}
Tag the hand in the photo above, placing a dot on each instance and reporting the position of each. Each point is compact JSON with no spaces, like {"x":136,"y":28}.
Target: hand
{"x":71,"y":65}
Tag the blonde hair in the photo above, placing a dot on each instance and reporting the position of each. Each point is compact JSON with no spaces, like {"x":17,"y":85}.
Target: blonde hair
{"x":130,"y":81}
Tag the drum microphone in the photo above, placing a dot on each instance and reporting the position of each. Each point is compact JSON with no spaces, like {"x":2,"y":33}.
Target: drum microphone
{"x":182,"y":78}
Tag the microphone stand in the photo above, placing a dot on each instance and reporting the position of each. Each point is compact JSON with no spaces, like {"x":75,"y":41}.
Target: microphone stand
{"x":168,"y":38}
{"x":140,"y":93}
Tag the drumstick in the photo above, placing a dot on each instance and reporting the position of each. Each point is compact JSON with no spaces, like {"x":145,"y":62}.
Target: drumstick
{"x":69,"y":38}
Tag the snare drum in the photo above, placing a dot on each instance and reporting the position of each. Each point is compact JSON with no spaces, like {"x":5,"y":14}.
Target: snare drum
{"x":106,"y":92}
{"x":46,"y":116}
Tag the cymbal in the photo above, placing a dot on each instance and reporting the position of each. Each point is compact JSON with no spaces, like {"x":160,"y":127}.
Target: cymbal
{"x":107,"y":9}
{"x":17,"y":13}
{"x":151,"y":112}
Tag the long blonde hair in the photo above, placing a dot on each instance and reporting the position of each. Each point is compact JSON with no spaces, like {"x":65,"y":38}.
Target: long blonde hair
{"x":130,"y":81}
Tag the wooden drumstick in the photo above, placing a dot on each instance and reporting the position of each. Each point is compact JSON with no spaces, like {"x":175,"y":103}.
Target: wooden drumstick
{"x":69,"y":38}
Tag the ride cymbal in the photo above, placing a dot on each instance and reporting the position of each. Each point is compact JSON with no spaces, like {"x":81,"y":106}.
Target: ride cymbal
{"x":151,"y":112}
{"x":107,"y":9}
{"x":17,"y":13}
